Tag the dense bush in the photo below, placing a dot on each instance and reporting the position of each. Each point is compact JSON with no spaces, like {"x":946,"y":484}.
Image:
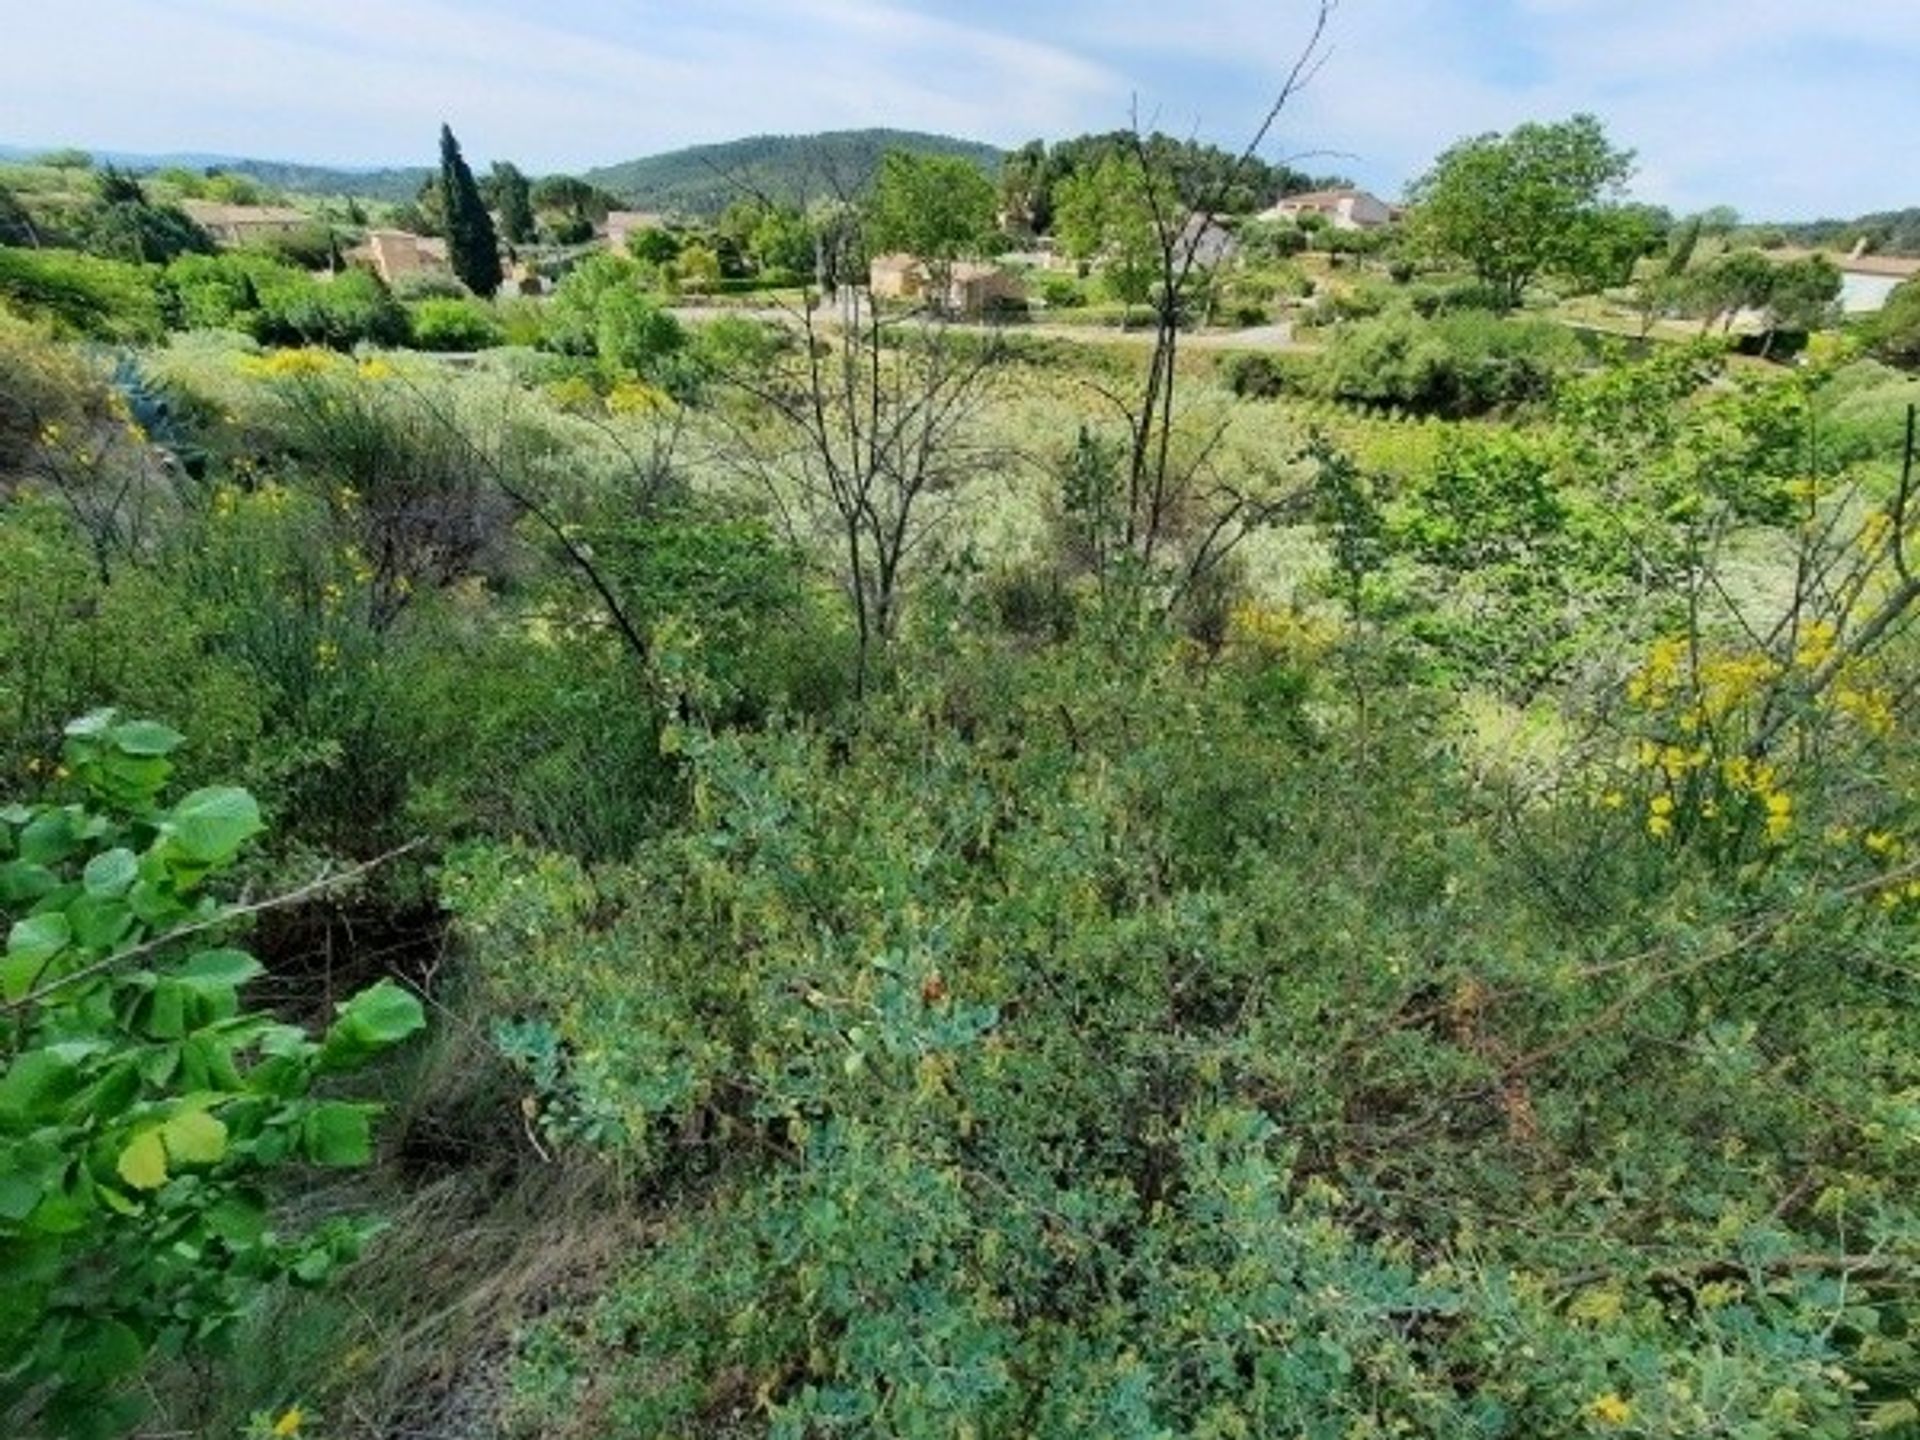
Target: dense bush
{"x":449,"y":324}
{"x":1096,"y":1061}
{"x":81,"y":294}
{"x":602,"y":310}
{"x":1460,"y":364}
{"x":345,"y":310}
{"x":1436,"y":964}
{"x":1894,"y":333}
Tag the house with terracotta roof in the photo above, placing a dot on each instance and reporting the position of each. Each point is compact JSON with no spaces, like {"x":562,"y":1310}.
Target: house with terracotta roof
{"x":395,"y":254}
{"x":1342,"y":209}
{"x":233,"y":225}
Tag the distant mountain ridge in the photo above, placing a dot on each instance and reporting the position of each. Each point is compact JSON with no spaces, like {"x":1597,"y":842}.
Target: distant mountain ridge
{"x":362,"y":182}
{"x":705,"y":179}
{"x":698,"y":180}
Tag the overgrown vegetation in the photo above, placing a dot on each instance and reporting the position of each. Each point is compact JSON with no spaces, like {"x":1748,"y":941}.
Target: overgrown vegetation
{"x":965,"y":883}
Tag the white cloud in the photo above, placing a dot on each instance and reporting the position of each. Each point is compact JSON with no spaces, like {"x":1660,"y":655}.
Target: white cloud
{"x":1779,"y":106}
{"x":371,"y":79}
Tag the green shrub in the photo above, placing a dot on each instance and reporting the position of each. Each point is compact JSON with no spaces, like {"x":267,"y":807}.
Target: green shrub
{"x":1894,"y":334}
{"x":448,"y":324}
{"x":1256,"y":375}
{"x":1082,"y":1058}
{"x":1062,"y":292}
{"x":140,"y":1107}
{"x":349,"y":309}
{"x":1467,"y":363}
{"x":81,"y":294}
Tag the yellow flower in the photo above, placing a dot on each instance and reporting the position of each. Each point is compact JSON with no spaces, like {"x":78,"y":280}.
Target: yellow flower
{"x":1610,"y":1409}
{"x":289,"y":1423}
{"x":1779,"y":816}
{"x":1872,"y":708}
{"x":1660,"y":816}
{"x":1883,"y":842}
{"x":1614,"y":799}
{"x":1875,"y":530}
{"x":1815,"y":645}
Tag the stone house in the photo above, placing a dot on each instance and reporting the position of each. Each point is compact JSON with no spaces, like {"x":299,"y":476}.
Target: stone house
{"x":232,"y":225}
{"x":972,"y":288}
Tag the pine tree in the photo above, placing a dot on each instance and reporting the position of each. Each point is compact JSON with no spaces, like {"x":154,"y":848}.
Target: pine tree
{"x":472,"y":247}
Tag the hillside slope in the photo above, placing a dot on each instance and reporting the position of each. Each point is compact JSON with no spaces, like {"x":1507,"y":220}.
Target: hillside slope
{"x":706,"y":178}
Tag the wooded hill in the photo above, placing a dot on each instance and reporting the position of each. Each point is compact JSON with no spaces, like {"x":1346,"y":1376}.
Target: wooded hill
{"x":705,"y":179}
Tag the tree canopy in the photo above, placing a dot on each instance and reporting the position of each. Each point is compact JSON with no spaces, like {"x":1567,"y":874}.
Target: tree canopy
{"x":512,"y":197}
{"x":936,"y":207}
{"x":1032,"y":176}
{"x":1542,"y":199}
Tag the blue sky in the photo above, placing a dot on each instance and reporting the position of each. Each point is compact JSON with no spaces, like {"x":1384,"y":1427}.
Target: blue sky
{"x":1783,"y":108}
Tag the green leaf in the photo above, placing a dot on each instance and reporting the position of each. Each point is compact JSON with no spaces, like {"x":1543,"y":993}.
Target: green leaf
{"x":239,"y":1219}
{"x":48,"y":838}
{"x":338,"y":1133}
{"x":1892,"y":1416}
{"x":34,"y":941}
{"x":213,"y":970}
{"x":210,"y":825}
{"x":28,"y":1171}
{"x":143,"y":1164}
{"x":99,"y":923}
{"x":22,"y":882}
{"x":167,"y":1011}
{"x":193,"y":1137}
{"x":379,"y":1016}
{"x":110,"y":873}
{"x":93,"y":724}
{"x":147,"y":737}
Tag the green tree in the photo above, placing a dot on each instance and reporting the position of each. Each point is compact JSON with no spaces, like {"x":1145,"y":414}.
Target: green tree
{"x":1681,"y":246}
{"x":934,"y":207}
{"x":472,"y":247}
{"x":782,"y":239}
{"x":1538,"y":200}
{"x":1736,"y":281}
{"x":572,"y":197}
{"x":1804,"y":295}
{"x":697,"y":269}
{"x":1894,"y":333}
{"x":513,"y":198}
{"x":1106,"y":214}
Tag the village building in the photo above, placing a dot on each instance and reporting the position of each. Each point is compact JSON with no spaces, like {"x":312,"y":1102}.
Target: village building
{"x":972,"y":288}
{"x":234,"y":225}
{"x":394,"y":255}
{"x":1867,"y":282}
{"x":1342,"y":209}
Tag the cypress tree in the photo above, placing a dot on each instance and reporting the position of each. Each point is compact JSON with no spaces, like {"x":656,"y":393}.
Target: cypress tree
{"x":472,"y":248}
{"x":512,"y":197}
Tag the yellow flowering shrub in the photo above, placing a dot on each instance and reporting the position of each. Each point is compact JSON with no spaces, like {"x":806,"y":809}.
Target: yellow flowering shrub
{"x":1708,"y":755}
